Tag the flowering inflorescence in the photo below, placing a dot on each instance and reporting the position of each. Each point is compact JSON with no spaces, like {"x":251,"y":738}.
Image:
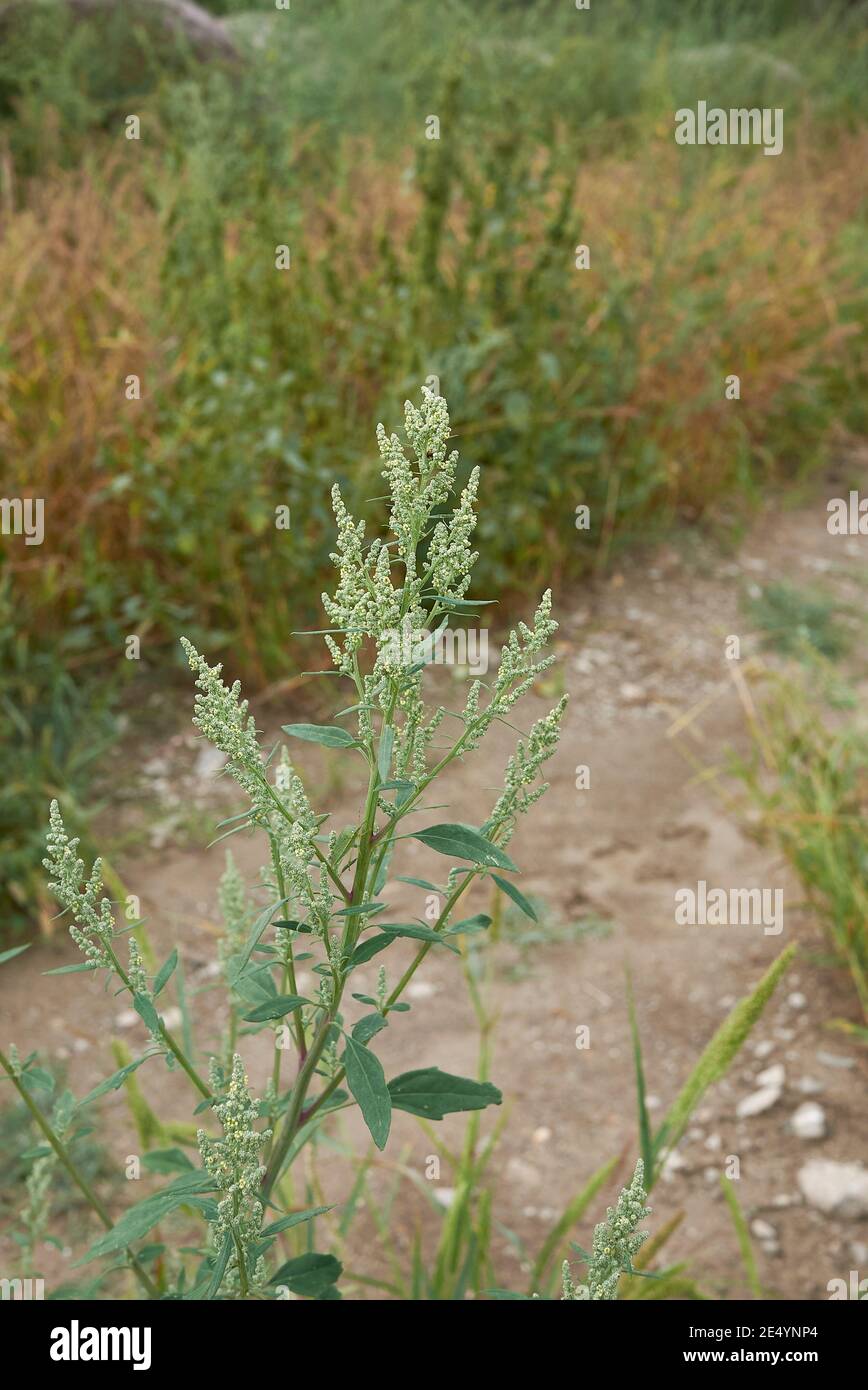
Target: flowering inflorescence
{"x":36,"y":1213}
{"x":411,"y":582}
{"x":233,"y":1163}
{"x":93,"y":925}
{"x":616,"y":1241}
{"x":223,"y":717}
{"x":521,"y":773}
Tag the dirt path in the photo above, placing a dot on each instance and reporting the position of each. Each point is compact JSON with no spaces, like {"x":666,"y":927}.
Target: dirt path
{"x":644,"y":649}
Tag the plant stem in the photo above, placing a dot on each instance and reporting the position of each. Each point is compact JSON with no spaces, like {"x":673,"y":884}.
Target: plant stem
{"x":398,"y":990}
{"x":176,"y":1050}
{"x":299,"y":1090}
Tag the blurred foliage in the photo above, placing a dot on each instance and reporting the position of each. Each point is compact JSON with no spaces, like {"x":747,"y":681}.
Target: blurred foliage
{"x":54,"y":731}
{"x":410,"y":258}
{"x":807,"y":777}
{"x":798,"y":623}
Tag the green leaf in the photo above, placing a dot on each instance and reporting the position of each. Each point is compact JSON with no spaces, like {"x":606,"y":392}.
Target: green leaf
{"x":417,"y":932}
{"x":432,"y":1093}
{"x":368,"y":1027}
{"x":256,"y":931}
{"x":463,"y":605}
{"x":310,"y":1275}
{"x":645,"y":1142}
{"x":367,"y":1082}
{"x":368,"y":949}
{"x":141,"y":1218}
{"x":464,"y":842}
{"x":13,"y":951}
{"x":748,"y":1258}
{"x":37,"y":1079}
{"x":167,"y":1161}
{"x":219,"y":1268}
{"x":470,"y":926}
{"x":419,"y":883}
{"x":327,"y":734}
{"x":384,"y":754}
{"x":165,"y":974}
{"x":383,"y":871}
{"x":517,"y":896}
{"x":72,"y":969}
{"x":112,"y":1083}
{"x":360,"y":909}
{"x":146,"y":1012}
{"x":278,"y":1007}
{"x":41,"y":1151}
{"x":255,"y":984}
{"x":295,"y":1218}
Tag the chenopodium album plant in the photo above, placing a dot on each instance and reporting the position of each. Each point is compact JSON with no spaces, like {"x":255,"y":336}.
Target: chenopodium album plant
{"x":324,"y":885}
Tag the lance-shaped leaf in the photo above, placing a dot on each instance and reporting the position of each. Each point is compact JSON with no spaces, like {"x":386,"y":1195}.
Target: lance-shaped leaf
{"x":367,"y":1081}
{"x":417,"y":932}
{"x":310,"y":1275}
{"x":165,"y":973}
{"x":517,"y":896}
{"x":464,"y":842}
{"x":277,"y":1007}
{"x":141,"y":1218}
{"x":295,"y":1218}
{"x":330,"y":735}
{"x":13,"y":951}
{"x":433,"y":1093}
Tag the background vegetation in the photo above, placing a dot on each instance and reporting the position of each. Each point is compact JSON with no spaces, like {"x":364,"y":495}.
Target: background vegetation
{"x":410,"y":258}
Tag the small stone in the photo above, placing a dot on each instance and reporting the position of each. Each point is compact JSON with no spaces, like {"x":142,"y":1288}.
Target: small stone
{"x":809,"y":1086}
{"x":809,"y":1121}
{"x":796,"y":1000}
{"x":837,"y":1189}
{"x":773,"y":1076}
{"x":758,"y":1102}
{"x":763,"y":1049}
{"x":541,"y":1135}
{"x":632,"y":694}
{"x":673,"y":1164}
{"x":763,"y":1230}
{"x":713,"y":1142}
{"x":127,"y":1018}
